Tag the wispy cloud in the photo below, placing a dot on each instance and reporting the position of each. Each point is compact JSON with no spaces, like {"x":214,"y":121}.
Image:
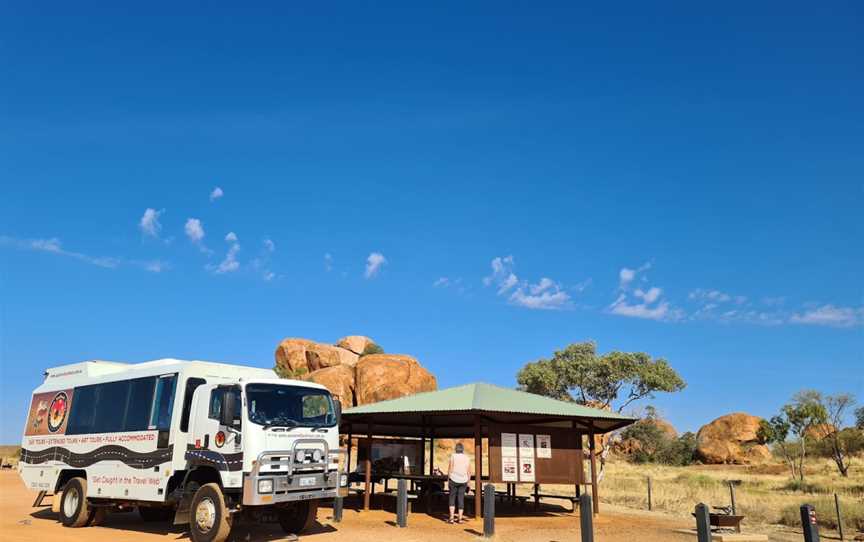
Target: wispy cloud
{"x":194,"y":230}
{"x":229,"y":264}
{"x":642,"y":302}
{"x":374,"y":262}
{"x":627,"y":275}
{"x":441,"y":282}
{"x":149,"y":223}
{"x":261,"y":264}
{"x":216,"y":193}
{"x":829,"y":315}
{"x":328,"y":262}
{"x":546,"y":294}
{"x":53,"y":245}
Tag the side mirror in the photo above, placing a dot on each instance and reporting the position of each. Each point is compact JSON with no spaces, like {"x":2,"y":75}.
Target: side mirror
{"x":229,"y":407}
{"x":337,"y":405}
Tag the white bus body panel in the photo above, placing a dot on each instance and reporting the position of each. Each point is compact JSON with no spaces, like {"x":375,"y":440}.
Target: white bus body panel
{"x":124,"y":465}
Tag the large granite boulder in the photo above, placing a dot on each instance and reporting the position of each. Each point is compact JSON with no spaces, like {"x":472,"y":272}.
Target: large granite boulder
{"x":379,"y":377}
{"x":301,"y":356}
{"x":355,"y":343}
{"x":731,"y":439}
{"x":339,"y":379}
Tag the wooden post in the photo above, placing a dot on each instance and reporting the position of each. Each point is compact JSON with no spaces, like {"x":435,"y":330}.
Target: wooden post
{"x":368,"y":478}
{"x":839,"y":517}
{"x":732,"y":497}
{"x":650,"y":506}
{"x":594,"y":498}
{"x":478,"y":467}
{"x":536,"y":497}
{"x":423,"y":453}
{"x":432,"y":452}
{"x":348,"y":460}
{"x":578,"y":476}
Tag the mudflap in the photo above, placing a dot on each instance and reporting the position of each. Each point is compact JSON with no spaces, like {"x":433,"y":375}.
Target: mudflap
{"x":181,"y":516}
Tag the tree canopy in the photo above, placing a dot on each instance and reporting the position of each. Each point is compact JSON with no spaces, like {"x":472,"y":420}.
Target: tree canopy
{"x":613,"y":380}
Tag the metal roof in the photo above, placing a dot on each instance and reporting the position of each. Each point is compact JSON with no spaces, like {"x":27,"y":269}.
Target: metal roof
{"x":451,"y":411}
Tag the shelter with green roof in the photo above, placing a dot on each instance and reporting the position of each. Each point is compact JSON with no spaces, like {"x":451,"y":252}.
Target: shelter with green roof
{"x":550,"y":434}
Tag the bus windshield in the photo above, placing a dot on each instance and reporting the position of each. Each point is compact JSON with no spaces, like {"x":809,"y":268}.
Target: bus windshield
{"x":277,"y":405}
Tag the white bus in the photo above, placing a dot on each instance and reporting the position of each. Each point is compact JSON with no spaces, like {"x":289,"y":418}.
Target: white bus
{"x":202,"y":443}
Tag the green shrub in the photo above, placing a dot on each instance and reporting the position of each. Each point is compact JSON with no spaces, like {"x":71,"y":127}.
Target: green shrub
{"x":284,"y":372}
{"x":372,"y":348}
{"x":658,"y":447}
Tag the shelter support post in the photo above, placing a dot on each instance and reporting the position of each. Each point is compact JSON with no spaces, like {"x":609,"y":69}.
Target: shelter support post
{"x":367,"y":493}
{"x":478,"y":467}
{"x":576,"y":438}
{"x":348,"y":456}
{"x":594,"y":498}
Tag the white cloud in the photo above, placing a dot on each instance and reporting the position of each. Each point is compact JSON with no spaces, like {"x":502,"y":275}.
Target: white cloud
{"x":502,"y":274}
{"x":149,"y":223}
{"x":541,"y":296}
{"x":700,"y":294}
{"x":216,"y":194}
{"x":545,"y":294}
{"x":269,"y":245}
{"x":374,"y":262}
{"x":645,"y":302}
{"x":627,"y":275}
{"x":156,"y":266}
{"x":661,"y":311}
{"x":650,"y":296}
{"x":269,"y":275}
{"x":328,"y":262}
{"x":829,"y":315}
{"x":442,"y":282}
{"x":53,"y":246}
{"x":230,"y":263}
{"x":194,"y":230}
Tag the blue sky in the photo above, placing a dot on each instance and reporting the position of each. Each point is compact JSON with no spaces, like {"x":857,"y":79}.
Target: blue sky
{"x":474,"y":185}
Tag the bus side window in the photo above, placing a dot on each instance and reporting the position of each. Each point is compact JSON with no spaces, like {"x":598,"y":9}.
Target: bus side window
{"x":191,"y":385}
{"x":163,"y":403}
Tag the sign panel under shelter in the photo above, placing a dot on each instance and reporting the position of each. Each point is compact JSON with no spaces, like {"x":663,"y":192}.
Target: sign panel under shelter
{"x":535,"y":454}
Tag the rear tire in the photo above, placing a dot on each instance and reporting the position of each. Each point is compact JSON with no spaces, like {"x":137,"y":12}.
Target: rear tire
{"x":298,"y":516}
{"x":75,"y":511}
{"x":209,"y":520}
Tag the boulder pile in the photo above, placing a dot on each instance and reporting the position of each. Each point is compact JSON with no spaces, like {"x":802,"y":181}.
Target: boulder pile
{"x":731,"y":439}
{"x":352,"y":377}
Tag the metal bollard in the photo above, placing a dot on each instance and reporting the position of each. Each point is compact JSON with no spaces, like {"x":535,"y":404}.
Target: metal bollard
{"x":337,"y":509}
{"x":586,"y":518}
{"x":402,"y":504}
{"x":488,"y":511}
{"x":703,"y":523}
{"x":808,"y":523}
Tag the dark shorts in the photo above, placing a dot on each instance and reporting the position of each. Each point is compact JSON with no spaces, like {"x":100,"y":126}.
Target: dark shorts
{"x":457,"y":494}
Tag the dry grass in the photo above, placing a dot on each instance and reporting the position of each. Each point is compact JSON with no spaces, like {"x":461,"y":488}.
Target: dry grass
{"x":764,"y":494}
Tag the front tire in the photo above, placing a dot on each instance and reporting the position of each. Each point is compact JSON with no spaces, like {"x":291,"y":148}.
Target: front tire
{"x":209,"y":520}
{"x":298,"y":517}
{"x":75,"y":511}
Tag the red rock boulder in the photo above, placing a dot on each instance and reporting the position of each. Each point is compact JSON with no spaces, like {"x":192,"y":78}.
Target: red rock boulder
{"x":379,"y":377}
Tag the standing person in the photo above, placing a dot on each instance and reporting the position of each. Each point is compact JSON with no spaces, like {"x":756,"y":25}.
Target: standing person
{"x":459,"y":473}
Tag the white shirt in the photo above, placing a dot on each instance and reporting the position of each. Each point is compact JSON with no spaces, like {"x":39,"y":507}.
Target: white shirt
{"x":459,"y":465}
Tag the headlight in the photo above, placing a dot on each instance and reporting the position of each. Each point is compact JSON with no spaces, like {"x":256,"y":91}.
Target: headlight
{"x":316,"y":456}
{"x":301,"y":456}
{"x":265,"y":485}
